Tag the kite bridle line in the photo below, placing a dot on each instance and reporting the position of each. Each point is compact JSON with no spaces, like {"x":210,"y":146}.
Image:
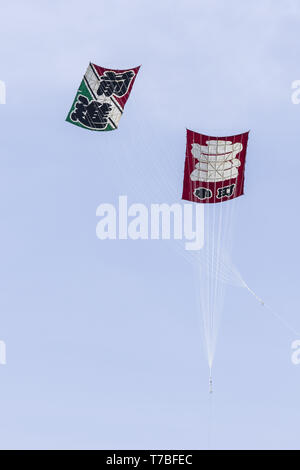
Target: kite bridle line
{"x":218,"y":228}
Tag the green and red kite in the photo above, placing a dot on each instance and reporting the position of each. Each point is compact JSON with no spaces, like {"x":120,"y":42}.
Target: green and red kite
{"x":100,"y":100}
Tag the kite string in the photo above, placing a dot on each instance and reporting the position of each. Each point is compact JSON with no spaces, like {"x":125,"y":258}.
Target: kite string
{"x":219,"y":240}
{"x":279,"y":317}
{"x":216,"y":260}
{"x":210,"y":421}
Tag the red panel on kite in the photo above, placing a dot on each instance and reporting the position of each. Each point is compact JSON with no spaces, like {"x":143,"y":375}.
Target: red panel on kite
{"x":214,"y":167}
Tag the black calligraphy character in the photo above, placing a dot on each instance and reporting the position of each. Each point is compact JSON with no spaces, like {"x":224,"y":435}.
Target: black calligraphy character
{"x":203,"y":193}
{"x":91,"y":113}
{"x":226,"y":191}
{"x":112,"y":83}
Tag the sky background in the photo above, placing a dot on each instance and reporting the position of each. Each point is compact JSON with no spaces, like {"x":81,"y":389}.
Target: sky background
{"x":104,"y":347}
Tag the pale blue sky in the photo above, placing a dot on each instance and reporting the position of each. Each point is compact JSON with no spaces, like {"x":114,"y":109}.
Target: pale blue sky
{"x":103,"y":344}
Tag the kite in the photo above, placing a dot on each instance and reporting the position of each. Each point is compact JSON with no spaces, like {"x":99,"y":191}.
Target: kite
{"x":101,"y":97}
{"x":214,"y":167}
{"x":213,"y":174}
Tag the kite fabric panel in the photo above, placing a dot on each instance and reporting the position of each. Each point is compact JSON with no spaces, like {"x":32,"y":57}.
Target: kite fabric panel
{"x":214,"y":167}
{"x":101,"y":97}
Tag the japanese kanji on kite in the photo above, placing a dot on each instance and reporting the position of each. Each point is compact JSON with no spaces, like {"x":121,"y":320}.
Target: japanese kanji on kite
{"x":101,"y":97}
